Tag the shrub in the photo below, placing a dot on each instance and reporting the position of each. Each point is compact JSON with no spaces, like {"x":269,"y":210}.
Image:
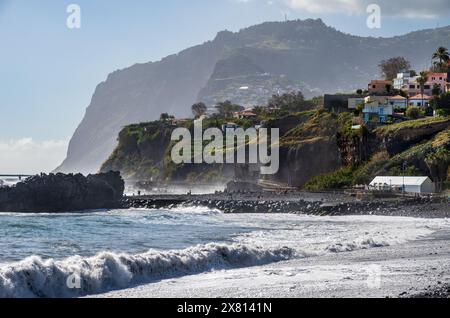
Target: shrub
{"x":414,"y":112}
{"x":336,"y":180}
{"x":443,"y":112}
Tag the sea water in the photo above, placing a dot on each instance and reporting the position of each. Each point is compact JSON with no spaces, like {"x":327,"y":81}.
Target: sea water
{"x":108,"y":250}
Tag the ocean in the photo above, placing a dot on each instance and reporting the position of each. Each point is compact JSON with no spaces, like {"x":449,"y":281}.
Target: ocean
{"x":101,"y":251}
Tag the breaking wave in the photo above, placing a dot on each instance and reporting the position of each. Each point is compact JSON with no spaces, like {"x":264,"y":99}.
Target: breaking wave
{"x":349,"y":247}
{"x":77,"y":276}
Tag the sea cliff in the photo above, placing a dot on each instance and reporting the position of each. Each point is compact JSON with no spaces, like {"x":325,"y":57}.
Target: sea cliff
{"x":318,"y":151}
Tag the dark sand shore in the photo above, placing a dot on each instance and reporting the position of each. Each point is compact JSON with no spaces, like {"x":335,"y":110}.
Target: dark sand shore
{"x":417,"y":269}
{"x":426,"y":260}
{"x":301,"y":203}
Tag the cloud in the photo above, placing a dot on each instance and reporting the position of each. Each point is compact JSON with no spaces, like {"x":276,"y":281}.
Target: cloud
{"x":401,"y":8}
{"x":29,"y":157}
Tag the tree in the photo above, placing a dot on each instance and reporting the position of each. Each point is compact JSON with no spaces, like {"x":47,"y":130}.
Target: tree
{"x":260,"y":111}
{"x":438,"y":163}
{"x":441,"y":58}
{"x":422,"y":80}
{"x":388,"y":88}
{"x":165,"y":117}
{"x":402,"y":93}
{"x":226,"y":109}
{"x":359,"y":92}
{"x":436,"y":91}
{"x":414,"y":112}
{"x":443,"y":105}
{"x":359,"y":109}
{"x":290,"y":102}
{"x":390,"y":68}
{"x":442,"y":55}
{"x":199,"y":109}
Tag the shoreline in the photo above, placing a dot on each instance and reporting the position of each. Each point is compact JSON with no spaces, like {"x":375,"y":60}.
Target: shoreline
{"x":319,"y":204}
{"x":340,"y":272}
{"x":415,"y":269}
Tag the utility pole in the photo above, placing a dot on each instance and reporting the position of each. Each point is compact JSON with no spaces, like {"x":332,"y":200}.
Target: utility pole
{"x":404,"y":171}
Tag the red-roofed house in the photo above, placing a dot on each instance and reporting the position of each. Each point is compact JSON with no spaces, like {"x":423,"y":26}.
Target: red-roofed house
{"x":398,"y":102}
{"x":246,"y":114}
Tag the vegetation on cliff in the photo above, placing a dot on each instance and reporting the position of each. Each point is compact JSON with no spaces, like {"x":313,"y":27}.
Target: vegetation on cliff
{"x":318,"y":149}
{"x":420,"y":147}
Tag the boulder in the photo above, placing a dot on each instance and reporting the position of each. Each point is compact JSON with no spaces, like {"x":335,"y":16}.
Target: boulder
{"x":63,"y":193}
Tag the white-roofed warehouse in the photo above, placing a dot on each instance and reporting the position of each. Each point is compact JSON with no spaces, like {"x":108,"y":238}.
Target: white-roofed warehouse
{"x":410,"y":184}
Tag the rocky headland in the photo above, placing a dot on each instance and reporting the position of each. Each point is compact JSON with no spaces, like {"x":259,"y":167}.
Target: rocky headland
{"x":63,"y":193}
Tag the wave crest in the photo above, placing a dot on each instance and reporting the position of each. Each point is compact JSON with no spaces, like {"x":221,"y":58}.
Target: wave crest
{"x":35,"y":277}
{"x":350,"y":247}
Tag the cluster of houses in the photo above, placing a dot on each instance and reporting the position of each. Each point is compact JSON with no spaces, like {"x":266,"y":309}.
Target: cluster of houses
{"x":383,"y":102}
{"x":381,"y":106}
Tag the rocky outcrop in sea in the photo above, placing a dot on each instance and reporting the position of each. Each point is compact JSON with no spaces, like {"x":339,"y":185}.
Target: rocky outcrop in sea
{"x":63,"y":193}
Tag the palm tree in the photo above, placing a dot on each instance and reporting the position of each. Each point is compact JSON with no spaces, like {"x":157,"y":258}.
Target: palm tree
{"x":438,"y":165}
{"x":441,"y":58}
{"x":422,"y":80}
{"x":442,"y":55}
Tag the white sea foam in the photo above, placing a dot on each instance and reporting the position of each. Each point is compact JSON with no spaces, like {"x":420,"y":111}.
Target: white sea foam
{"x":257,"y":239}
{"x":35,"y":277}
{"x":316,"y":236}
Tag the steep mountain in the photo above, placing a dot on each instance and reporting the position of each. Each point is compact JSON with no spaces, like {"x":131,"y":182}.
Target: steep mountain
{"x":245,"y":67}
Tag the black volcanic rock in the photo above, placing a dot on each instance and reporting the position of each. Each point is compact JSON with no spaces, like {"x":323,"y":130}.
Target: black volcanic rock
{"x":63,"y":193}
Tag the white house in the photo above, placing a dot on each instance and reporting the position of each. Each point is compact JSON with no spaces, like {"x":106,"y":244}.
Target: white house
{"x":402,"y":80}
{"x":409,"y":184}
{"x":376,"y":109}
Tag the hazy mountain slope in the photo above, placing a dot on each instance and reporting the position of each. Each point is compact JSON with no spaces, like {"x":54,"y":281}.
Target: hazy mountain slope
{"x":266,"y":58}
{"x":137,"y":94}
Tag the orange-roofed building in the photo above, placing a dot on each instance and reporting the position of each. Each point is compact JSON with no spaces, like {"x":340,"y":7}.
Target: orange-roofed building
{"x":379,"y":87}
{"x":246,"y":114}
{"x":398,"y":102}
{"x":420,"y":100}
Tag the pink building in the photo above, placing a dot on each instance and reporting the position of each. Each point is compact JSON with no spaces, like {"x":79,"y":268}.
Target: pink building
{"x":439,"y":79}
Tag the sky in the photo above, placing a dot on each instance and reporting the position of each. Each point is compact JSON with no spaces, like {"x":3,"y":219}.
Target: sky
{"x":49,"y":72}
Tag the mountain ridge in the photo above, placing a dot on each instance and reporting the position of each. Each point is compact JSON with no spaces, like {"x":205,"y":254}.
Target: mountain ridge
{"x":302,"y":55}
